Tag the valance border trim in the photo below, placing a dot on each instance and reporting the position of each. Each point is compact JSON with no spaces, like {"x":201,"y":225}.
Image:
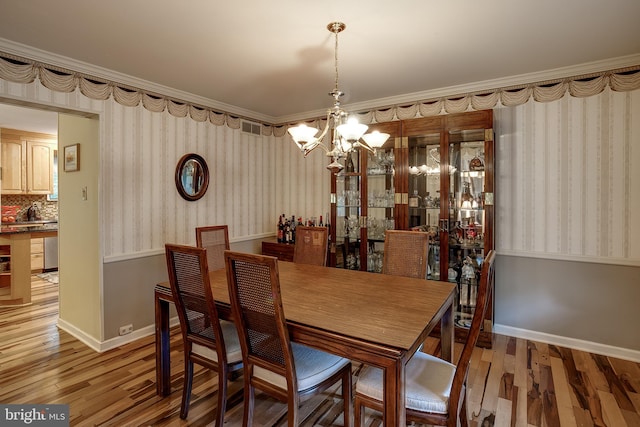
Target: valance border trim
{"x":17,"y":69}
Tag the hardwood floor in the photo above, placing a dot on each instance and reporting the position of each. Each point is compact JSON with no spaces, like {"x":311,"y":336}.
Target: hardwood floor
{"x":517,"y":383}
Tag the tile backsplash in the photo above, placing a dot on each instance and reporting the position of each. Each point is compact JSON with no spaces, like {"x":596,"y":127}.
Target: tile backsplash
{"x":48,"y":209}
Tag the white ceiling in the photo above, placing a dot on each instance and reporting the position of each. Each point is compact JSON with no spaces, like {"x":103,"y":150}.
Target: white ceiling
{"x":275,"y":59}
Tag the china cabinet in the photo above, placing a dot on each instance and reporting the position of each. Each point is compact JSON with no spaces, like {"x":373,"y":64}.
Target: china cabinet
{"x":451,"y":197}
{"x":433,"y":175}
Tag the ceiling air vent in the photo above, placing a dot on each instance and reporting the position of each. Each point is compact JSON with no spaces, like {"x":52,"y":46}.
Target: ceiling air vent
{"x":251,"y":127}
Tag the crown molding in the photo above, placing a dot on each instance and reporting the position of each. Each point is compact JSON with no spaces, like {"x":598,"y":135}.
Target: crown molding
{"x":64,"y":62}
{"x":479,"y":87}
{"x":49,"y":58}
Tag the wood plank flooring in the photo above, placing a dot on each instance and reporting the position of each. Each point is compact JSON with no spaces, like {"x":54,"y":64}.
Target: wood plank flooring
{"x":516,"y":383}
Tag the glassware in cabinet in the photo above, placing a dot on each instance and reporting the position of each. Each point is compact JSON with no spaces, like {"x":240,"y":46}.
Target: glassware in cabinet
{"x":380,"y":204}
{"x":348,"y":213}
{"x":450,"y":196}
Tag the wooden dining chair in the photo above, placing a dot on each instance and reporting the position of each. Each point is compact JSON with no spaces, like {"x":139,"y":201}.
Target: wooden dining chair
{"x":435,"y":388}
{"x":405,"y":253}
{"x":215,"y":239}
{"x":285,"y":370}
{"x":311,"y":245}
{"x":208,"y":341}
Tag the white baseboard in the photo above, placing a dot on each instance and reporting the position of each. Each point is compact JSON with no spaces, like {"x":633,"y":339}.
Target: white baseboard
{"x":79,"y":335}
{"x":591,"y":347}
{"x":113,"y":342}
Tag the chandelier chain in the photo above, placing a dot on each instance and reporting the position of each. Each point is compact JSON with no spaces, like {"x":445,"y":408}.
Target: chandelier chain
{"x":335,"y":54}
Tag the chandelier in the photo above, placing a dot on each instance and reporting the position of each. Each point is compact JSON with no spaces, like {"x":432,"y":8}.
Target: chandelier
{"x":347,"y":134}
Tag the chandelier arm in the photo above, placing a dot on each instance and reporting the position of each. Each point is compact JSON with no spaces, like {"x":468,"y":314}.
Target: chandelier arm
{"x":365,"y":146}
{"x":326,"y":126}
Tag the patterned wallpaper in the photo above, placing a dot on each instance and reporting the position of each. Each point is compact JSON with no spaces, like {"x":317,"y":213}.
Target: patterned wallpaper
{"x":567,"y":185}
{"x":568,"y":178}
{"x":253,"y":180}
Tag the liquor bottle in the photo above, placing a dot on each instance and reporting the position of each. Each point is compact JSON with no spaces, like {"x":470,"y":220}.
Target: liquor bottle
{"x":280,"y":230}
{"x":287,"y":232}
{"x":320,"y":224}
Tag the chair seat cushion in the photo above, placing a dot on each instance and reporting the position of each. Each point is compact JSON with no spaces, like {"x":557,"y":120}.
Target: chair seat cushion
{"x":231,"y":342}
{"x":428,"y":383}
{"x":312,"y":367}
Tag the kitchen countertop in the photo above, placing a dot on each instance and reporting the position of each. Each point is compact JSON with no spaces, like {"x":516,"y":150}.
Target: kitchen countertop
{"x":31,"y":227}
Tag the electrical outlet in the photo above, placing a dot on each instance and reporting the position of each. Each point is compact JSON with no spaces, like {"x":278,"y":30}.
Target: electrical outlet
{"x":126,"y":329}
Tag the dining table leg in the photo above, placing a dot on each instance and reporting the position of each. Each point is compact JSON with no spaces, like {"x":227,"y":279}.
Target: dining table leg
{"x":447,"y":334}
{"x":394,"y":394}
{"x":163,"y":374}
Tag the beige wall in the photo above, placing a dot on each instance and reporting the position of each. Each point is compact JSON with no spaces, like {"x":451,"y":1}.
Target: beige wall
{"x":79,"y":234}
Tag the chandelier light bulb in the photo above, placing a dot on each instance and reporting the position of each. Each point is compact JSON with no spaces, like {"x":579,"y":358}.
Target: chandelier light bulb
{"x":375,"y":139}
{"x":352,"y":130}
{"x":302,"y":134}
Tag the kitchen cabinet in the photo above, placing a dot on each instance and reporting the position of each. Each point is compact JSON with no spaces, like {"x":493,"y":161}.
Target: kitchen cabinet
{"x":13,"y":154}
{"x":15,"y":247}
{"x":27,"y":162}
{"x":37,"y":255}
{"x":5,"y":267}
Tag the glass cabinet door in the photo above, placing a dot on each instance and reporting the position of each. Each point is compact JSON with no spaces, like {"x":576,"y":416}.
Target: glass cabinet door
{"x":380,"y":215}
{"x":466,"y":217}
{"x":348,"y":214}
{"x":424,"y":194}
{"x":450,"y":163}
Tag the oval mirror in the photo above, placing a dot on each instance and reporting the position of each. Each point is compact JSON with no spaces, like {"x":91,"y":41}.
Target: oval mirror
{"x":192,"y":177}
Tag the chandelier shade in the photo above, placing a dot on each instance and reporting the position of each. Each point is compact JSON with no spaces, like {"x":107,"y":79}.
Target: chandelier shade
{"x":347,"y":134}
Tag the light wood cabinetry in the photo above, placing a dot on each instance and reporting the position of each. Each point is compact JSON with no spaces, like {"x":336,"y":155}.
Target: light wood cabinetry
{"x":27,"y":161}
{"x":37,"y":255}
{"x":40,"y":166}
{"x":13,"y":155}
{"x":5,"y":267}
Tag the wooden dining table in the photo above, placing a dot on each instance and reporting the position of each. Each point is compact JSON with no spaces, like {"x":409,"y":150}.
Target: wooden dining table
{"x":372,"y":318}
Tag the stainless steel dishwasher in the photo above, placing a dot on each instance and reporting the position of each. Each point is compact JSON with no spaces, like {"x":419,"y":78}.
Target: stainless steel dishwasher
{"x":50,"y":253}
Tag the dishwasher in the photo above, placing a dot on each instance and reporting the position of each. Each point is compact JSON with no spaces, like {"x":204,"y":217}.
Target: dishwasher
{"x":50,"y":253}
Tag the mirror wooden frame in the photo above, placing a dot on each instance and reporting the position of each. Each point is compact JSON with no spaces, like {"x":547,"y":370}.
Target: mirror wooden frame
{"x":193,"y":193}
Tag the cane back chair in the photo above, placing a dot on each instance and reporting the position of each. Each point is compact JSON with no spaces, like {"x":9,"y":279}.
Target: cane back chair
{"x":311,"y":245}
{"x":208,"y":341}
{"x":405,"y":253}
{"x":435,"y":389}
{"x":285,"y":370}
{"x":215,"y":239}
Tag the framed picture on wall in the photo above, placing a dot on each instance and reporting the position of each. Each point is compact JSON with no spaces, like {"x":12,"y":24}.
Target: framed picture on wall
{"x":72,"y":158}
